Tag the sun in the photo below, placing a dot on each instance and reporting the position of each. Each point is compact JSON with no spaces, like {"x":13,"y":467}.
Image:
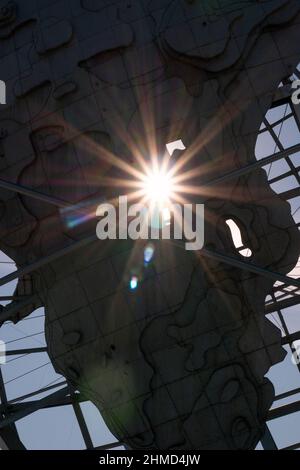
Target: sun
{"x":158,"y":187}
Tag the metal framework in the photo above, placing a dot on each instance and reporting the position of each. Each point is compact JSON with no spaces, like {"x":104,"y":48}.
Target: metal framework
{"x":285,"y":296}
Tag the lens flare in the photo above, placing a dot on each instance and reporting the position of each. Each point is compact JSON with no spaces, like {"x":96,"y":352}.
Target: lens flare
{"x":148,"y":253}
{"x":133,"y":284}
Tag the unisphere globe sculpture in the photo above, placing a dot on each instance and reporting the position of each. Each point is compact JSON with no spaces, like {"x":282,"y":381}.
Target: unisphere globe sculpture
{"x":173,"y":352}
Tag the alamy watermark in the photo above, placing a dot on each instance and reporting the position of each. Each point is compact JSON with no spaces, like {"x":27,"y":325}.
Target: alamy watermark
{"x":2,"y":352}
{"x":138,"y":221}
{"x":296,"y":93}
{"x":2,"y":92}
{"x":296,"y":355}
